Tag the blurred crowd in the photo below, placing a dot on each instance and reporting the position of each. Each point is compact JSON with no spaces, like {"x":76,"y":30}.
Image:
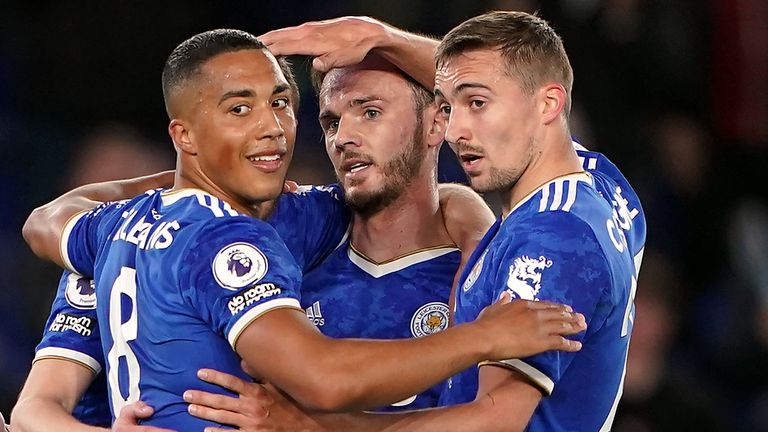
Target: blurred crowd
{"x":673,"y":91}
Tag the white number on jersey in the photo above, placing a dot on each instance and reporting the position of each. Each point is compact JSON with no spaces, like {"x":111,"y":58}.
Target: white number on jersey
{"x":122,"y":333}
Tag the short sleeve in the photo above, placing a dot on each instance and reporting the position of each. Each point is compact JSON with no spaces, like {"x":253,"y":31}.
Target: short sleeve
{"x":72,"y":331}
{"x":555,"y":258}
{"x":237,"y":270}
{"x":312,"y":221}
{"x":83,"y":234}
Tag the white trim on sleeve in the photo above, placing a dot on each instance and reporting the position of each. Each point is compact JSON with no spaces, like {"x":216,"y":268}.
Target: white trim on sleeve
{"x":69,"y":354}
{"x":257,"y":311}
{"x":64,"y":241}
{"x":536,"y":376}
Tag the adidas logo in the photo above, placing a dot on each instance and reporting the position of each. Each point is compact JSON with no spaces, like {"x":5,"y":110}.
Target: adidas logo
{"x":314,"y":314}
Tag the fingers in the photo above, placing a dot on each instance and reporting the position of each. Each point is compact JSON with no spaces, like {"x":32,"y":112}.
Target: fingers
{"x":215,"y":401}
{"x":215,"y":415}
{"x":563,"y":344}
{"x":561,"y":322}
{"x":221,"y":379}
{"x":272,"y":37}
{"x":289,"y":186}
{"x":321,"y":63}
{"x":129,"y":416}
{"x":543,"y":304}
{"x":135,"y":411}
{"x":504,"y":298}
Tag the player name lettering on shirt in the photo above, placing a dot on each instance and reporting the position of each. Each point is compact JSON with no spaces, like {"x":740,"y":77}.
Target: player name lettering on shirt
{"x":81,"y":325}
{"x":251,"y":295}
{"x":138,"y":232}
{"x":621,"y":221}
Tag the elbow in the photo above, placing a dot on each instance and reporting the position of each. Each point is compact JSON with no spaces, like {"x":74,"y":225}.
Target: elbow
{"x":32,"y":231}
{"x":20,"y":416}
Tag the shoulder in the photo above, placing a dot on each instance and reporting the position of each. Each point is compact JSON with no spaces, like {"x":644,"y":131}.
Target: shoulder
{"x":216,"y":235}
{"x":548,"y":224}
{"x":553,"y":236}
{"x":309,"y":201}
{"x":316,"y":192}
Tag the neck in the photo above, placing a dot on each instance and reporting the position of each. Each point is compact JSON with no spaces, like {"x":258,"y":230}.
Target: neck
{"x":187,"y":178}
{"x":555,"y":158}
{"x":412,"y":222}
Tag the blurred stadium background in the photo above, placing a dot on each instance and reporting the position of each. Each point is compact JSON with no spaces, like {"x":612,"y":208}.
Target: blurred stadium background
{"x":674,"y":91}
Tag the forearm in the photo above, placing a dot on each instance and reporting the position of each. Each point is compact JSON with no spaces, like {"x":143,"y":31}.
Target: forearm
{"x":45,"y":415}
{"x":43,"y":228}
{"x":326,"y":374}
{"x":367,"y":374}
{"x":412,"y":53}
{"x":122,"y":189}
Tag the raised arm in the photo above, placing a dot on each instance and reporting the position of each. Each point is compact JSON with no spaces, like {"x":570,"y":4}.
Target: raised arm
{"x":43,"y":228}
{"x":346,"y":41}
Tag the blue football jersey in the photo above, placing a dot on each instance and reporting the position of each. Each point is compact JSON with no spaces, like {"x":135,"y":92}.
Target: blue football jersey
{"x":179,"y":275}
{"x":72,"y":333}
{"x":312,"y":222}
{"x":350,"y":296}
{"x":576,"y":240}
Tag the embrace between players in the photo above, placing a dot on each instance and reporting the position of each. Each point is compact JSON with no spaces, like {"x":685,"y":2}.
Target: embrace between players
{"x":211,"y":271}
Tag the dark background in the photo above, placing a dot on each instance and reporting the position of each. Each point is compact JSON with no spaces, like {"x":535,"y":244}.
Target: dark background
{"x":674,"y":92}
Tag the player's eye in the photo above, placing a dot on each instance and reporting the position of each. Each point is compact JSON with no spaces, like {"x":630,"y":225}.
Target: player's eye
{"x":240,"y":109}
{"x":371,"y":114}
{"x":477,"y":103}
{"x":331,"y":126}
{"x":445,"y":109}
{"x":280,"y":103}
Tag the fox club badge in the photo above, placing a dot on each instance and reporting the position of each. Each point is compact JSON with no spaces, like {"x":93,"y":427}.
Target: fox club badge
{"x":430,"y":318}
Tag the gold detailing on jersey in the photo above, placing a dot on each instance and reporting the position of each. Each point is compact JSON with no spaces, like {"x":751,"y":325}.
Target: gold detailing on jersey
{"x":407,"y":254}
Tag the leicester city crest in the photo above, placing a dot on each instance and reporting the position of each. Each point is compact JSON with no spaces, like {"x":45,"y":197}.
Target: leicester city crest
{"x":430,"y":318}
{"x":239,"y":265}
{"x":80,"y":292}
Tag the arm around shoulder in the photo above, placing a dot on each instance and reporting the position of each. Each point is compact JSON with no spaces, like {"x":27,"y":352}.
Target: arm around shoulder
{"x":43,"y":228}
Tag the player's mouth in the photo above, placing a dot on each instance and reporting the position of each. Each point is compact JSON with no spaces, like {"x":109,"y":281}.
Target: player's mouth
{"x":470,"y":162}
{"x":355,"y":168}
{"x":267,"y":161}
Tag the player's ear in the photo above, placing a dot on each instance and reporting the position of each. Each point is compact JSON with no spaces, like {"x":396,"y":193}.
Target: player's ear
{"x":181,"y":137}
{"x":435,"y":133}
{"x":552,"y":101}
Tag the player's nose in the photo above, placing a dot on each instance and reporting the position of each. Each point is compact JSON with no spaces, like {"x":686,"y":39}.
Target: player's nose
{"x":458,"y":128}
{"x":346,"y":135}
{"x":268,"y":126}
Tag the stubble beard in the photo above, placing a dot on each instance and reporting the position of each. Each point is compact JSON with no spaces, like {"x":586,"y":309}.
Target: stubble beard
{"x":398,"y":174}
{"x":503,"y":180}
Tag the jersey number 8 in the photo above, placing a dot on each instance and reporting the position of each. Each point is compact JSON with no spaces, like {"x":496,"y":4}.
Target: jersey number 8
{"x":122,"y":333}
